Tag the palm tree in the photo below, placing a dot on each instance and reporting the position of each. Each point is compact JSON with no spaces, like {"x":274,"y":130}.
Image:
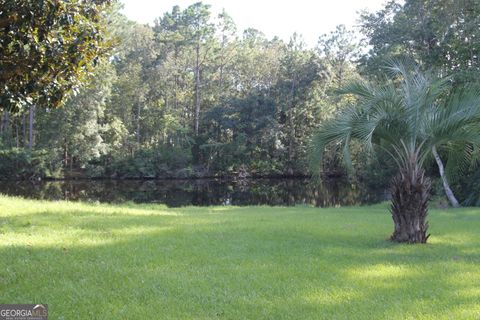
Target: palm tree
{"x":410,"y":116}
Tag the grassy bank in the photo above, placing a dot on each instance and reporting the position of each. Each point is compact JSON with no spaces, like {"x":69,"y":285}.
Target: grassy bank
{"x":90,"y":261}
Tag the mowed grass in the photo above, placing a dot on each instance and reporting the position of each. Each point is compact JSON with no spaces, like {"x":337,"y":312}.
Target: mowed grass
{"x":96,"y":261}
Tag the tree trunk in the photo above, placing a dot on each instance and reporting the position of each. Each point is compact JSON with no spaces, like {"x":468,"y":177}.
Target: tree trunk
{"x":30,"y":127}
{"x":410,"y":195}
{"x":291,"y":134}
{"x":175,"y":87}
{"x":137,"y":133}
{"x":446,"y":185}
{"x":197,"y":89}
{"x":17,"y":135}
{"x":24,"y":130}
{"x":65,"y":155}
{"x":5,"y":122}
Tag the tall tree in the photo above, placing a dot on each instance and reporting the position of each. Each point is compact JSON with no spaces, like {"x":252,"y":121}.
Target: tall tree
{"x":79,"y":131}
{"x":200,"y":32}
{"x":227,"y":36}
{"x":339,"y":52}
{"x":295,"y":96}
{"x":440,"y":34}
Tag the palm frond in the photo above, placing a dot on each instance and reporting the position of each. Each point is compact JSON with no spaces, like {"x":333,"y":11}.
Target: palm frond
{"x":406,"y":116}
{"x":459,"y":160}
{"x":357,"y":88}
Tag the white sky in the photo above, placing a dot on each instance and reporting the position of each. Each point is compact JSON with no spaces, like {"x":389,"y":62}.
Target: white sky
{"x":310,"y":18}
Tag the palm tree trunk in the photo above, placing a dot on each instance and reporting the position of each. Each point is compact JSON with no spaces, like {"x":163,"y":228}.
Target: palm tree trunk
{"x":446,"y":185}
{"x":409,"y":209}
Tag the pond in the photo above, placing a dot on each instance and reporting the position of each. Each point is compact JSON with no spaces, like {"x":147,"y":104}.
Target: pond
{"x":203,"y":192}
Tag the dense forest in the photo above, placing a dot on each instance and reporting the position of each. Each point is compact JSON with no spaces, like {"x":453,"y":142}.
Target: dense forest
{"x":193,"y":96}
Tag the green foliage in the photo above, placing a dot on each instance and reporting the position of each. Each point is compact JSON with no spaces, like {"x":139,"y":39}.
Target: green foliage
{"x":238,"y":130}
{"x":47,"y":48}
{"x":467,"y":187}
{"x":188,"y":84}
{"x":441,"y":34}
{"x":150,"y":163}
{"x":83,"y":130}
{"x":406,"y":116}
{"x":193,"y":84}
{"x":374,"y":169}
{"x":21,"y":164}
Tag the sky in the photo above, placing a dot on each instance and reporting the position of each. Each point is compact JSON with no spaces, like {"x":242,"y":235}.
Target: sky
{"x":310,"y":18}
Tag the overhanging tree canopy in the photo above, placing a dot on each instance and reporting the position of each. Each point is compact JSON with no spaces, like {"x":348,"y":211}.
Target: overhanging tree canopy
{"x":47,"y":47}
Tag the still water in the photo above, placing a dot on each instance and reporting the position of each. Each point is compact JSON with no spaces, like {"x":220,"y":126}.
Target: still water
{"x":175,"y":193}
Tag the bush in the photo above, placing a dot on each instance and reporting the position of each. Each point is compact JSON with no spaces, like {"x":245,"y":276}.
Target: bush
{"x":95,"y":170}
{"x":265,"y":167}
{"x":467,"y":187}
{"x":150,"y":163}
{"x":375,"y":172}
{"x":20,"y":164}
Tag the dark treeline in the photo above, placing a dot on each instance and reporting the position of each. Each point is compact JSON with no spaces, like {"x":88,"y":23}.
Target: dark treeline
{"x":192,"y":96}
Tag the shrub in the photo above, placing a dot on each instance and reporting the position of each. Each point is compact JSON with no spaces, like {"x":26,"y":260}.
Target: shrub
{"x":16,"y":163}
{"x":150,"y":163}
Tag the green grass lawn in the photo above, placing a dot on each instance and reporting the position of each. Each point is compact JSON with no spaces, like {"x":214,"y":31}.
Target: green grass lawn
{"x":93,"y":261}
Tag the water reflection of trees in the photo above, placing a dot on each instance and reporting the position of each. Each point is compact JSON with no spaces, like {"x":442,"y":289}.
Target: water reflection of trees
{"x":284,"y":192}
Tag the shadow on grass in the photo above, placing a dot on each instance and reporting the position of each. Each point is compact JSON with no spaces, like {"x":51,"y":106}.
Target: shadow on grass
{"x":254,"y":263}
